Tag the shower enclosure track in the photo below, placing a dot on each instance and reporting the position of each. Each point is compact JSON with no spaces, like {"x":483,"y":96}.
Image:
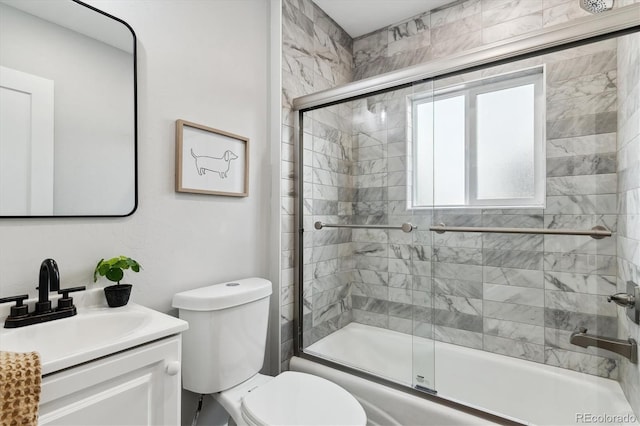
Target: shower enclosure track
{"x":597,"y":232}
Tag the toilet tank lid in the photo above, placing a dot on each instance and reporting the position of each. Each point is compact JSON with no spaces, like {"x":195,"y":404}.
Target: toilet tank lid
{"x":223,"y":295}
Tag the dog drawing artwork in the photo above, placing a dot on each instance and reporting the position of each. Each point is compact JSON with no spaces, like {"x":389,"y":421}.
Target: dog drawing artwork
{"x":214,"y":164}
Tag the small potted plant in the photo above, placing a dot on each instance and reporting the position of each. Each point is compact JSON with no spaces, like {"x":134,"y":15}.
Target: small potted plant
{"x":113,"y":269}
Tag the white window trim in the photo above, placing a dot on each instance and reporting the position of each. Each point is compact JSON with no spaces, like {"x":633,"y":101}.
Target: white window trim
{"x":471,"y":90}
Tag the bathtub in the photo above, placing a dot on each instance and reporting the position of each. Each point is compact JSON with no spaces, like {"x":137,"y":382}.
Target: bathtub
{"x":515,"y":389}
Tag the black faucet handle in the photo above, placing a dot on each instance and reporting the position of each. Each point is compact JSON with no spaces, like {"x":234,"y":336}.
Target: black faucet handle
{"x":19,"y":309}
{"x":65,"y":301}
{"x":65,"y":291}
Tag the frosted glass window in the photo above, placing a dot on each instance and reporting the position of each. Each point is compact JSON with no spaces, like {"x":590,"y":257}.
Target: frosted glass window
{"x":480,"y":144}
{"x":441,"y":131}
{"x":505,"y":143}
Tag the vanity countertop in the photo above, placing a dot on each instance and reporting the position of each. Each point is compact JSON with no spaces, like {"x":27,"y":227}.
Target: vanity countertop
{"x":96,"y":331}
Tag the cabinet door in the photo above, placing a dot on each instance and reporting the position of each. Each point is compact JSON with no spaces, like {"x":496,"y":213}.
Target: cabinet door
{"x":140,"y":386}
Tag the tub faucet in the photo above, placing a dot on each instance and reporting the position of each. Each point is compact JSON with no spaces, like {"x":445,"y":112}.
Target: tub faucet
{"x":49,"y":281}
{"x":627,"y":348}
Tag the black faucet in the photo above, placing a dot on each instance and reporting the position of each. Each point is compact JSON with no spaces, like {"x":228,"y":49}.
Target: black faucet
{"x":49,"y":281}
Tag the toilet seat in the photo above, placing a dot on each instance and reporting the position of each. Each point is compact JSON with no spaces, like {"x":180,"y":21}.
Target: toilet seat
{"x":293,"y":398}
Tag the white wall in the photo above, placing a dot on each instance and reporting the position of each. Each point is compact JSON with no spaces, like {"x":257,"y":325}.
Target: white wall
{"x":199,"y":60}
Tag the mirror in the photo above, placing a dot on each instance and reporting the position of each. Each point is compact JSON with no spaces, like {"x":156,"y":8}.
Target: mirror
{"x":67,"y":111}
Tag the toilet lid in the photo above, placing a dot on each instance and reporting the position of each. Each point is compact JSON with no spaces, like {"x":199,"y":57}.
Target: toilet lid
{"x":293,"y":398}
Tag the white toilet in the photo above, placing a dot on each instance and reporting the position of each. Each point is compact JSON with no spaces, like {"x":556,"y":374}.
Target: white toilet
{"x":223,"y":350}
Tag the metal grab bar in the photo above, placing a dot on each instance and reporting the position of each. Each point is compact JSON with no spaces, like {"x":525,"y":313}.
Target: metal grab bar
{"x":406,"y":227}
{"x":597,"y":232}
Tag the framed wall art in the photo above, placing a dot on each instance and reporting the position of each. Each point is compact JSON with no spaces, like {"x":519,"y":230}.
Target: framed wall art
{"x":211,"y":161}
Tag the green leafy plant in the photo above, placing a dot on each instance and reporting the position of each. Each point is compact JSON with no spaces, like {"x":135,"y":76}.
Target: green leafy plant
{"x":113,"y":269}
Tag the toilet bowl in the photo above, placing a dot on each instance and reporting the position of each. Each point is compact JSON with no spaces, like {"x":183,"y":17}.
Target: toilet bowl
{"x":223,"y":351}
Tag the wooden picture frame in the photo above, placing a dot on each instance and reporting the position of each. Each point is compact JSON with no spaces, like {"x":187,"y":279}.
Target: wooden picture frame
{"x":211,"y":161}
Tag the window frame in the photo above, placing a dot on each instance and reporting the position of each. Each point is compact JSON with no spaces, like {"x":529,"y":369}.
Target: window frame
{"x":471,"y":90}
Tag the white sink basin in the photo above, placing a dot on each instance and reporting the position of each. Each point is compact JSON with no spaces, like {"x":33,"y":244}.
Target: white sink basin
{"x":95,"y":332}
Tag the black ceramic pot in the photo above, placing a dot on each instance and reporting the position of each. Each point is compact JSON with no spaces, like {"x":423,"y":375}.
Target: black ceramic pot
{"x":117,"y":295}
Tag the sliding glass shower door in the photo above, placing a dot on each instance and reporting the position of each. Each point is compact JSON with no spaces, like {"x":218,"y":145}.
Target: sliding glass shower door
{"x":367,"y":254}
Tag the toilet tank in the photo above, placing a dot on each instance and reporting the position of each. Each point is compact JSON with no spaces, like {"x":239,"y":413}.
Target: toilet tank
{"x":225,"y":342}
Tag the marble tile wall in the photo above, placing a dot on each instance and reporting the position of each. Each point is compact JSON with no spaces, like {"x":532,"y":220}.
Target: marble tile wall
{"x":518,"y":295}
{"x":461,"y":26}
{"x":628,"y":250}
{"x":316,"y":54}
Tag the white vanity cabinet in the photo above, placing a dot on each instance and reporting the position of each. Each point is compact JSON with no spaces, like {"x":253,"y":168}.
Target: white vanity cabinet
{"x":138,"y":386}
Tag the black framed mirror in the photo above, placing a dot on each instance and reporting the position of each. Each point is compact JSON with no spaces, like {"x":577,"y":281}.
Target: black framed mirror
{"x":68,"y":111}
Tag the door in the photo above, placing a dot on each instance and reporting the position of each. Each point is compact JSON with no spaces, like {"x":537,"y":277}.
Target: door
{"x":26,"y":144}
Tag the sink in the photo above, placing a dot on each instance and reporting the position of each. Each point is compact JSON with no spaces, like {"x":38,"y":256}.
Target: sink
{"x":96,"y":331}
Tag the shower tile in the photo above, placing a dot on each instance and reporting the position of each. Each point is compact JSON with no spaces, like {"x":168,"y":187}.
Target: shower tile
{"x":583,"y":105}
{"x":421,"y":252}
{"x":452,"y":45}
{"x":604,"y":122}
{"x":498,"y":11}
{"x":513,"y":259}
{"x":579,"y":244}
{"x":457,"y":255}
{"x":571,"y":321}
{"x":461,"y":239}
{"x":462,"y":305}
{"x":580,"y":263}
{"x":583,"y":185}
{"x":329,"y":311}
{"x":466,"y":338}
{"x":373,"y":263}
{"x":455,"y":13}
{"x":562,"y":13}
{"x":595,"y":164}
{"x":514,"y":294}
{"x":401,"y":325}
{"x":400,"y":310}
{"x":514,"y":277}
{"x":423,"y":284}
{"x":400,"y":280}
{"x":370,"y":304}
{"x":514,"y":348}
{"x":370,"y":277}
{"x":579,"y":302}
{"x":422,"y":298}
{"x":456,"y":271}
{"x":469,"y":289}
{"x":581,"y":145}
{"x":370,"y":235}
{"x":458,"y":320}
{"x":506,"y":220}
{"x":371,"y":249}
{"x":565,"y":221}
{"x":421,"y":268}
{"x":330,"y":296}
{"x":603,"y":367}
{"x":327,"y":267}
{"x":582,"y":204}
{"x":514,"y":27}
{"x":473,"y":218}
{"x":581,"y":86}
{"x":369,"y":47}
{"x":400,"y":266}
{"x":514,"y":330}
{"x":422,"y":329}
{"x":423,"y":314}
{"x":370,"y":290}
{"x":399,"y":251}
{"x":595,"y":62}
{"x":512,"y":242}
{"x":580,"y":283}
{"x":370,"y":318}
{"x":514,"y":312}
{"x":400,"y":295}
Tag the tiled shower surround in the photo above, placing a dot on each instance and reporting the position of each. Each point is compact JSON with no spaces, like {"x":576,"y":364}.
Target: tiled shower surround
{"x":520,"y":295}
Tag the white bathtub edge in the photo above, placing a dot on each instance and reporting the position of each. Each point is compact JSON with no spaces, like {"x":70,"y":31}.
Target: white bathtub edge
{"x":400,"y":408}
